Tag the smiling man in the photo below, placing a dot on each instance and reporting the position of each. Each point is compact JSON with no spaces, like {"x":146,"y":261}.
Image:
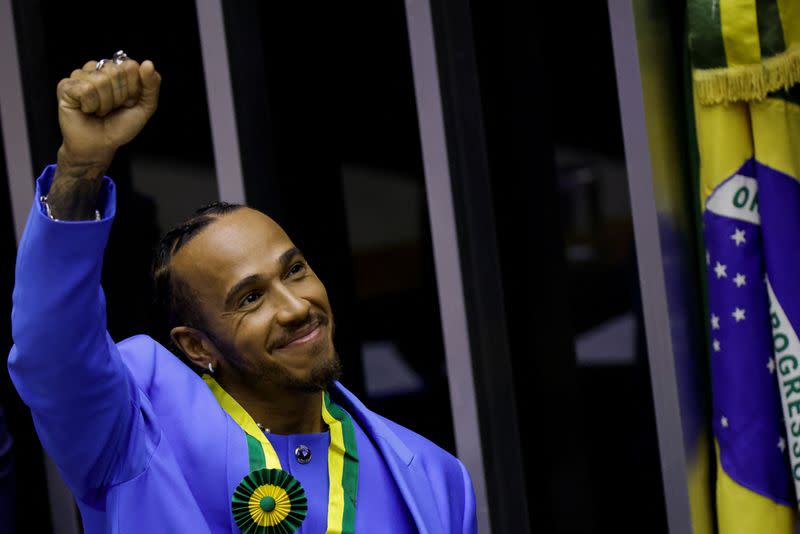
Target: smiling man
{"x":259,"y":319}
{"x":251,"y":432}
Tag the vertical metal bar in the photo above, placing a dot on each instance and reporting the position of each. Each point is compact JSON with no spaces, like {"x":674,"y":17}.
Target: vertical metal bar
{"x":20,"y":187}
{"x":248,"y":66}
{"x":221,"y":110}
{"x":15,"y":127}
{"x":651,"y":267}
{"x":63,"y":511}
{"x":445,"y":250}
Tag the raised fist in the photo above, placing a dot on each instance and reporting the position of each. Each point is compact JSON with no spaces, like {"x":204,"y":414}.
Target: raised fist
{"x":101,"y":110}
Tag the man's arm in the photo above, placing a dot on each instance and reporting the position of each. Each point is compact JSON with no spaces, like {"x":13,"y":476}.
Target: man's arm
{"x":65,"y":366}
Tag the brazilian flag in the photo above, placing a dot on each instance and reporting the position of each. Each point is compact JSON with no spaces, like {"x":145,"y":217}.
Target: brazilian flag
{"x":745,"y":59}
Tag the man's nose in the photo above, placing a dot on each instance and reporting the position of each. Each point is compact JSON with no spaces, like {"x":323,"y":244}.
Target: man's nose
{"x":291,"y":308}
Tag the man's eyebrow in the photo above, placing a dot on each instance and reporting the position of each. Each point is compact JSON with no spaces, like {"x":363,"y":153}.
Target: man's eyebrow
{"x":283,"y":260}
{"x":288,"y":256}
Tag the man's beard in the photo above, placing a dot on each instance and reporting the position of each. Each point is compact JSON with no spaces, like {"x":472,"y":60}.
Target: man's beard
{"x":326,"y":369}
{"x":322,"y":375}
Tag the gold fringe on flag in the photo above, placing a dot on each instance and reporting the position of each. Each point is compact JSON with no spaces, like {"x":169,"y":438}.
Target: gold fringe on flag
{"x":748,"y":82}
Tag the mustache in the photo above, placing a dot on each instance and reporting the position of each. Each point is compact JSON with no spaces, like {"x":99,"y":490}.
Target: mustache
{"x":289,"y":332}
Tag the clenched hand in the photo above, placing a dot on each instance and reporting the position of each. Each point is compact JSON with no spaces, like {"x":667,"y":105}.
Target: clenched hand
{"x":98,"y":111}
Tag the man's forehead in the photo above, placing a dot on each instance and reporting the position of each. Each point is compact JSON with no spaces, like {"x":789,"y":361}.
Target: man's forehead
{"x":238,"y":242}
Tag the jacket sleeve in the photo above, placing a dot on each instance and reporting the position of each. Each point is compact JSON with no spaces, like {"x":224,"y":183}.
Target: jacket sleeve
{"x":85,"y":404}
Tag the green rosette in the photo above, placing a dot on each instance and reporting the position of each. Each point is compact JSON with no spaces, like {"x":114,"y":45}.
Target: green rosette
{"x":269,"y":501}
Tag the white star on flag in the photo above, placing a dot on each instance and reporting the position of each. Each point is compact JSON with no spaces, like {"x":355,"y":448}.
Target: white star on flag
{"x":771,"y":365}
{"x":720,"y":270}
{"x":724,"y":422}
{"x":738,"y":236}
{"x":782,"y":444}
{"x":714,"y":322}
{"x":716,"y":345}
{"x":738,"y":314}
{"x":740,"y":280}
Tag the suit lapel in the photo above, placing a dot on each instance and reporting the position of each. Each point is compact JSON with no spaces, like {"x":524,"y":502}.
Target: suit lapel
{"x":406,"y":470}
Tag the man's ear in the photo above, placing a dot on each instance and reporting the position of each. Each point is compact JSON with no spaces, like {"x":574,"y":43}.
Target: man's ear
{"x":196,"y":346}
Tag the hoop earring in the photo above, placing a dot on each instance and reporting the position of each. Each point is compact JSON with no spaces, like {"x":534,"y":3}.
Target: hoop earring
{"x":210,"y":368}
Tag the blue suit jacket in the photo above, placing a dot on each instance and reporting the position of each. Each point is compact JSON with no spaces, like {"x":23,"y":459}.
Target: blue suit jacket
{"x":138,"y":437}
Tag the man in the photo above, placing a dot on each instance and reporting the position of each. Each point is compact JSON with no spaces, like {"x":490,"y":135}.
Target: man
{"x":267,"y":440}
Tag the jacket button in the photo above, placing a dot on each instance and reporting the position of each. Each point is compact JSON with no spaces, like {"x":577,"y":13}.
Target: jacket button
{"x":303,"y":454}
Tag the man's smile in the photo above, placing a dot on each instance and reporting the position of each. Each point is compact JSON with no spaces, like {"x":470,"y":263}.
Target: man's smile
{"x":304,"y":336}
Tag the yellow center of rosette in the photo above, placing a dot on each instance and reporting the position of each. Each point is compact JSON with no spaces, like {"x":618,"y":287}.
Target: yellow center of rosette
{"x":282,"y":505}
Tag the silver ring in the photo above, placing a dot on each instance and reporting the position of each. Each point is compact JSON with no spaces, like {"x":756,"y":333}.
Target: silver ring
{"x":100,"y":64}
{"x":119,"y":56}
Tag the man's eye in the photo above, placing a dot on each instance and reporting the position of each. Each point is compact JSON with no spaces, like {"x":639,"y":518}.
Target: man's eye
{"x":250,"y":298}
{"x":296,"y":268}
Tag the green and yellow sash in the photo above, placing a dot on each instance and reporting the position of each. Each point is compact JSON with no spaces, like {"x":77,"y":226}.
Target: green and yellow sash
{"x":342,"y":465}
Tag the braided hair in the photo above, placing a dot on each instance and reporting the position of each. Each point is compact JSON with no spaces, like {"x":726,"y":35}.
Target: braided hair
{"x":173,"y":297}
